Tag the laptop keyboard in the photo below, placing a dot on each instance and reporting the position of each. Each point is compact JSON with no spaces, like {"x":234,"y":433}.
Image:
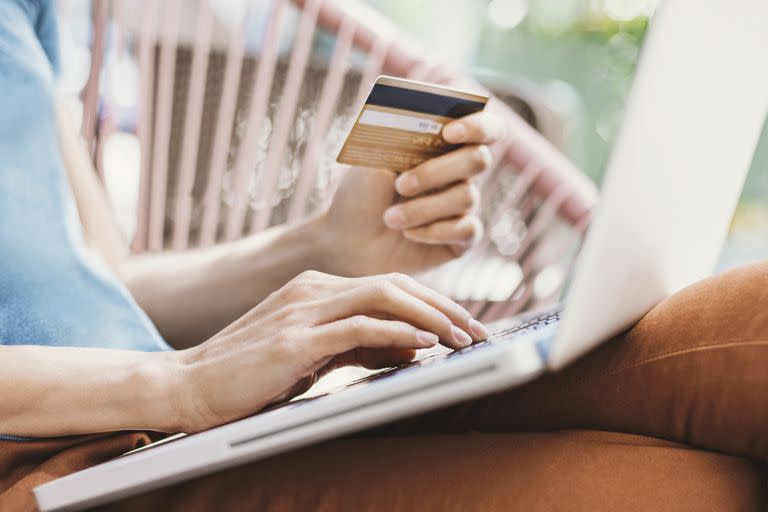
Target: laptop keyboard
{"x":522,"y":325}
{"x":526,"y":324}
{"x":529,"y":324}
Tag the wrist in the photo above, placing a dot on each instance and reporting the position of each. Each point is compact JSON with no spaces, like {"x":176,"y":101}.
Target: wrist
{"x":323,"y":245}
{"x":191,"y":385}
{"x":162,"y":378}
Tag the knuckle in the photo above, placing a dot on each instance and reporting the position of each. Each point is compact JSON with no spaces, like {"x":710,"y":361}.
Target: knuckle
{"x":460,"y":248}
{"x":475,"y":227}
{"x":399,"y":278}
{"x":464,"y":227}
{"x":358,"y":325}
{"x":304,"y":284}
{"x":468,"y":236}
{"x":468,"y":196}
{"x":298,"y":288}
{"x":477,"y":224}
{"x":469,"y":231}
{"x":384,"y":290}
{"x":310,"y":276}
{"x":482,"y":157}
{"x":474,"y":195}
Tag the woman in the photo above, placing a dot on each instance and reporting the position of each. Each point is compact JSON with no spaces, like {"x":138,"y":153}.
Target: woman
{"x":61,"y":281}
{"x":247,"y":324}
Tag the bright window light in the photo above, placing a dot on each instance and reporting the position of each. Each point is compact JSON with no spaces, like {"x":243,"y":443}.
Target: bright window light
{"x":624,"y":10}
{"x":507,"y":14}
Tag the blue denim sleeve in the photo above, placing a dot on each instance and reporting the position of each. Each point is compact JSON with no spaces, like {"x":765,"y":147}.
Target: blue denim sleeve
{"x":28,"y":26}
{"x":26,"y":74}
{"x":47,"y":29}
{"x":54,"y":290}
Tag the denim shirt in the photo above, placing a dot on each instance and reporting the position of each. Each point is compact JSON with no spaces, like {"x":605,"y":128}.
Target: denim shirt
{"x":53,"y":289}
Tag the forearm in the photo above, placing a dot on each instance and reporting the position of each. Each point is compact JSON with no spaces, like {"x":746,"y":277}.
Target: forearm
{"x":57,"y":391}
{"x":191,"y":295}
{"x":95,"y":212}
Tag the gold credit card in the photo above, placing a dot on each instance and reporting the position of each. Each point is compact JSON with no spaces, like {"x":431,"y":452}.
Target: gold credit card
{"x":401,"y":123}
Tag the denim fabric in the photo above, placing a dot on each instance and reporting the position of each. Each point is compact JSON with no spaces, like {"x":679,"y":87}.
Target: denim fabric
{"x":53,"y":289}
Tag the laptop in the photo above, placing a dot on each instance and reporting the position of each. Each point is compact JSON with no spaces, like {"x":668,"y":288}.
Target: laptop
{"x":692,"y":121}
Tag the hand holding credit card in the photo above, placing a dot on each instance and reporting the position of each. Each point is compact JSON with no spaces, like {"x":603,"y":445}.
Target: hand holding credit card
{"x":400,"y":125}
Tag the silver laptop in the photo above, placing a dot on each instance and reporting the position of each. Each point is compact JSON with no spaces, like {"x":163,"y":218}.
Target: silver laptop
{"x":692,"y":122}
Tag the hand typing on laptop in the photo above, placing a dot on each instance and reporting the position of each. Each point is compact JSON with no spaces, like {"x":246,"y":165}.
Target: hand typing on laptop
{"x":314,"y":324}
{"x":230,"y":364}
{"x":642,"y":247}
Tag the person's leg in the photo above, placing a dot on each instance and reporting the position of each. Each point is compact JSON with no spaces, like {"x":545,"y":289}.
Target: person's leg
{"x":26,"y":464}
{"x":693,"y":370}
{"x":535,"y":472}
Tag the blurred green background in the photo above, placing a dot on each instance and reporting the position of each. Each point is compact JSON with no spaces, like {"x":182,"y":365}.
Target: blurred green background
{"x":586,"y":47}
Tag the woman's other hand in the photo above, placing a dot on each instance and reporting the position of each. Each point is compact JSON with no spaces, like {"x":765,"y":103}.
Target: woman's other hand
{"x":380,"y":222}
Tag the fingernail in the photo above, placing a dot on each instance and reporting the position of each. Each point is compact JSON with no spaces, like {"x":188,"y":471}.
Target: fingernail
{"x":428,"y":339}
{"x":407,"y":184}
{"x":460,"y":336}
{"x":455,"y":132}
{"x":394,"y":217}
{"x":478,"y":329}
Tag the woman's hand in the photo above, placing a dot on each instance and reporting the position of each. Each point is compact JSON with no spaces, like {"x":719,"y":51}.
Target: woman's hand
{"x":381,"y":222}
{"x":315,"y":323}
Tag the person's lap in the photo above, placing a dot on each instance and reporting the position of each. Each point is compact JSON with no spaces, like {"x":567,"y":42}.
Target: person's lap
{"x":577,"y":470}
{"x":692,"y":371}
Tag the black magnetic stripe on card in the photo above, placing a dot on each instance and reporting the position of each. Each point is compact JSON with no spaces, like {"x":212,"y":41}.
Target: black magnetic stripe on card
{"x":421,"y":101}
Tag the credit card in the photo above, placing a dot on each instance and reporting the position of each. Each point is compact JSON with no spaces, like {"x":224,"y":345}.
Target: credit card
{"x":401,"y":123}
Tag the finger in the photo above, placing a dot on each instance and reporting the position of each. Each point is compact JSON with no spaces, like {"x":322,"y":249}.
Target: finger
{"x":374,"y":358}
{"x":458,"y":316}
{"x":462,"y":231}
{"x":362,"y":331}
{"x":451,"y":202}
{"x":478,"y":128}
{"x":457,"y":165}
{"x":380,"y":297}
